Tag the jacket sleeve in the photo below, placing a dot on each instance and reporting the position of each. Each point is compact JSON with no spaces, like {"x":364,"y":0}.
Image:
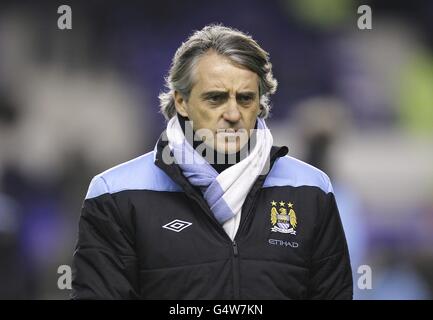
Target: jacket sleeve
{"x":330,"y":271}
{"x":104,"y":262}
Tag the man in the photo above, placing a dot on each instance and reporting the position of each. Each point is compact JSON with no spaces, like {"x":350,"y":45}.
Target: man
{"x":176,"y":224}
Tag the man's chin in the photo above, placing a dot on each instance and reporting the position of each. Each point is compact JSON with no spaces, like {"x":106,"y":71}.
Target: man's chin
{"x":228,"y":147}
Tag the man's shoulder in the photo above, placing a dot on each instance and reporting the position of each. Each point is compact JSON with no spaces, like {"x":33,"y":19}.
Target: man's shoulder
{"x":289,"y":171}
{"x":139,"y":173}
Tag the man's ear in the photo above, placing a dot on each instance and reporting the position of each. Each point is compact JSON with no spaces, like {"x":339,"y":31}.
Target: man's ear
{"x":180,"y":104}
{"x":260,"y":109}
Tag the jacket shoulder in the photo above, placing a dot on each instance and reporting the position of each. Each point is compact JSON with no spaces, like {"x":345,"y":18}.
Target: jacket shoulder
{"x":289,"y":171}
{"x":140,"y":173}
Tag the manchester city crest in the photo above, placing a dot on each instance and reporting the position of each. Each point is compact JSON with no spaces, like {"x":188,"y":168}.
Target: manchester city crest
{"x":283,"y":218}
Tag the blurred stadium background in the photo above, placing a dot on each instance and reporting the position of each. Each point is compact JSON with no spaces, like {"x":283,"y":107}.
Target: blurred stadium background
{"x":355,"y":103}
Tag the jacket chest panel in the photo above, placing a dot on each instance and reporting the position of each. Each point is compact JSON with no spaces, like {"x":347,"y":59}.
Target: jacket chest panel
{"x":282,"y":226}
{"x":171,"y":231}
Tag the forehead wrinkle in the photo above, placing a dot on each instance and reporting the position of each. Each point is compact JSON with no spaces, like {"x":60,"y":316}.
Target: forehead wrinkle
{"x":211,"y":75}
{"x":232,"y":88}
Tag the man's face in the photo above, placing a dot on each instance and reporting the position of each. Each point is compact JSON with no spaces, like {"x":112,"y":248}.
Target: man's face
{"x":224,"y":100}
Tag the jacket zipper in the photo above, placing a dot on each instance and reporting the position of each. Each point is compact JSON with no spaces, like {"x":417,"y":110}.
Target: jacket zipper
{"x":236,"y":272}
{"x":235,"y":259}
{"x":250,"y":210}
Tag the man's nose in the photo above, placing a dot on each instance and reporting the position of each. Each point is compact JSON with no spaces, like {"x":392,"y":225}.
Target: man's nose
{"x":232,"y":113}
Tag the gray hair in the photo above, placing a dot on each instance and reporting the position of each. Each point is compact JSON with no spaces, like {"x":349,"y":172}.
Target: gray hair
{"x":237,"y":46}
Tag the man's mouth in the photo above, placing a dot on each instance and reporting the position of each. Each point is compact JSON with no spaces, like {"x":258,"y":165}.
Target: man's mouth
{"x":228,"y":131}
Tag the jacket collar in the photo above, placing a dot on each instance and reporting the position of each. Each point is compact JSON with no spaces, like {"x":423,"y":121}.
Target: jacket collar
{"x":194,"y":193}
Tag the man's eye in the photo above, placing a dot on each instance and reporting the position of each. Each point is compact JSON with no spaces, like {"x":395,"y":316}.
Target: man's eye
{"x":215,"y":99}
{"x":245,"y":99}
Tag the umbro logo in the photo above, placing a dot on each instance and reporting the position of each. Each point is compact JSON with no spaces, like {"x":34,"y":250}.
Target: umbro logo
{"x":177,"y":225}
